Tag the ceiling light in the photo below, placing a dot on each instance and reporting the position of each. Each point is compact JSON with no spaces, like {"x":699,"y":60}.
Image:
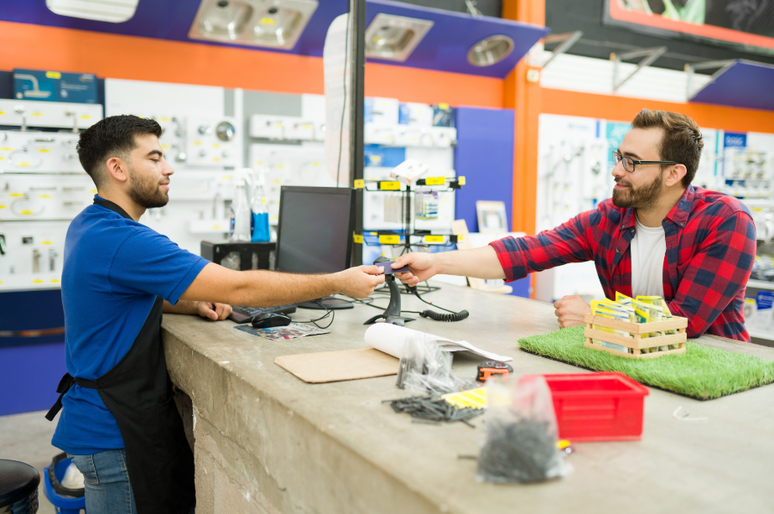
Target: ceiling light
{"x":267,"y":23}
{"x":393,"y":37}
{"x":113,"y":11}
{"x":490,"y":50}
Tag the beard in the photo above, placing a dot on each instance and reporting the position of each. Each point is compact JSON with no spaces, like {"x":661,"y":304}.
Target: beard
{"x":643,"y":197}
{"x":145,"y":191}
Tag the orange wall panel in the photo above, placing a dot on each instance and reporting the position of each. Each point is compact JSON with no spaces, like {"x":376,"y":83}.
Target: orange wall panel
{"x":137,"y":58}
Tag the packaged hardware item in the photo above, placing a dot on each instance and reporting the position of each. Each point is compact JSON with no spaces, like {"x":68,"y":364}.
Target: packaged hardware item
{"x":54,"y":86}
{"x":598,"y":308}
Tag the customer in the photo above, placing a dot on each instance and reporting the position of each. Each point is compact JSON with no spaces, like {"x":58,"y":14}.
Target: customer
{"x":658,"y":235}
{"x":119,"y":424}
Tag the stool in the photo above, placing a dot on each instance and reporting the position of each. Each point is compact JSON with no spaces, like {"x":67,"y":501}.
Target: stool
{"x":18,"y":487}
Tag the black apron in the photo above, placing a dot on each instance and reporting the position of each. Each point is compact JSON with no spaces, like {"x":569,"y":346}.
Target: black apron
{"x":138,"y":392}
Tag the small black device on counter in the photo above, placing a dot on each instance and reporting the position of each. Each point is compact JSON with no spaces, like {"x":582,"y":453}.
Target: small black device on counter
{"x":241,"y":314}
{"x":270,"y":319}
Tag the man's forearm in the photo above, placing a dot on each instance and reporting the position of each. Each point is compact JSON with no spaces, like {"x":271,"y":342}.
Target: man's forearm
{"x":181,"y":307}
{"x":477,"y":262}
{"x":264,"y":288}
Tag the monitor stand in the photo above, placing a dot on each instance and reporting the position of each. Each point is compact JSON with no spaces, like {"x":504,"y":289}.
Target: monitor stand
{"x":326,"y":302}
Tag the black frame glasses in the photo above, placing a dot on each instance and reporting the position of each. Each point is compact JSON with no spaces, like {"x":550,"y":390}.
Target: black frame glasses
{"x":628,"y":161}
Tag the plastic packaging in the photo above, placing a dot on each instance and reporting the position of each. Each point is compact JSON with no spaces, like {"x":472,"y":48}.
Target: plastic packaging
{"x":259,"y":222}
{"x":239,"y":228}
{"x":425,"y":368}
{"x":521,"y":432}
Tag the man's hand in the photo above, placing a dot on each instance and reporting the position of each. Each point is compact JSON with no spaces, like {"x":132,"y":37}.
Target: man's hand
{"x":360,"y":281}
{"x":570,"y":311}
{"x":422,"y":266}
{"x":213,"y":311}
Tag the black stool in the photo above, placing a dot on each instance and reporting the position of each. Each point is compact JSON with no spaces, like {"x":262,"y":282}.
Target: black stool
{"x":18,"y":487}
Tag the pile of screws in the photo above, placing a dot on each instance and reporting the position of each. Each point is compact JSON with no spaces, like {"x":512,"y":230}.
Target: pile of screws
{"x":433,"y":410}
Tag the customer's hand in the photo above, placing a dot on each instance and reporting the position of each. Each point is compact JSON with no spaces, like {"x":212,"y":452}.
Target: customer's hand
{"x":213,"y":311}
{"x":360,"y":281}
{"x":570,"y":310}
{"x":422,"y":266}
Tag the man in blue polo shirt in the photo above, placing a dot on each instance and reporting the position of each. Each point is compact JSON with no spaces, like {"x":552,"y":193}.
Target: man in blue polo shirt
{"x":119,"y":423}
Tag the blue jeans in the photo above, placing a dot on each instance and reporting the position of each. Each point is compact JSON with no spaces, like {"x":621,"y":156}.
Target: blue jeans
{"x":106,"y":480}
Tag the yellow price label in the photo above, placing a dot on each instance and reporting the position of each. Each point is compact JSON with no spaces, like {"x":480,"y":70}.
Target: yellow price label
{"x":53,"y":75}
{"x":26,"y":212}
{"x":93,"y":191}
{"x":359,"y":183}
{"x":389,"y":240}
{"x":443,"y":106}
{"x":216,"y":227}
{"x":259,"y":163}
{"x":2,"y":158}
{"x":389,"y":185}
{"x":17,"y":195}
{"x":47,"y":242}
{"x":461,"y":181}
{"x":216,"y":159}
{"x":435,"y":181}
{"x":197,"y":143}
{"x":44,"y":196}
{"x":23,"y":164}
{"x":460,"y":237}
{"x":433,"y":239}
{"x":3,"y":207}
{"x":280,"y":166}
{"x":36,"y":114}
{"x":267,"y":21}
{"x":55,"y":280}
{"x":85,"y":116}
{"x":6,"y":149}
{"x":163,"y":119}
{"x":358,"y":239}
{"x":43,"y":150}
{"x":2,"y":113}
{"x":215,"y":145}
{"x":38,"y":281}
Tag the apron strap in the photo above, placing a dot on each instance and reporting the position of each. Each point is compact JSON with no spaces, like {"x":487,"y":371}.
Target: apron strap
{"x":64,"y":385}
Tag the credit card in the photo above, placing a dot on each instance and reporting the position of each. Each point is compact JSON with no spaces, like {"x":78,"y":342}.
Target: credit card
{"x":386,"y":266}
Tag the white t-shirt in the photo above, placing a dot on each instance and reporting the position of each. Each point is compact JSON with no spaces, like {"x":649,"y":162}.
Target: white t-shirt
{"x":648,"y":249}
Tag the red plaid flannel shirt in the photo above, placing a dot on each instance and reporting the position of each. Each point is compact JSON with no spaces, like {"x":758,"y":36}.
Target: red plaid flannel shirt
{"x":710,"y":250}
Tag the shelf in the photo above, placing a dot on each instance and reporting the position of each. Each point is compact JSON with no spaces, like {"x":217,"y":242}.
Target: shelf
{"x":760,"y":284}
{"x":760,"y":334}
{"x":741,"y":83}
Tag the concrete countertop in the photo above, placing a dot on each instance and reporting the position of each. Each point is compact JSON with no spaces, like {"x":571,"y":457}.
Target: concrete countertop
{"x":267,"y":442}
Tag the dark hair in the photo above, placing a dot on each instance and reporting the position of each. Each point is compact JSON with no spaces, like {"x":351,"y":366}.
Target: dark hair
{"x":682,"y":141}
{"x":112,"y":137}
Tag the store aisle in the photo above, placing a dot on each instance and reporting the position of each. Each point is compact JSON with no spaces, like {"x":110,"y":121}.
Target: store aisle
{"x":27,"y":438}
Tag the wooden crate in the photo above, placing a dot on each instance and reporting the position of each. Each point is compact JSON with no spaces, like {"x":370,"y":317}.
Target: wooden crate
{"x":636,"y":342}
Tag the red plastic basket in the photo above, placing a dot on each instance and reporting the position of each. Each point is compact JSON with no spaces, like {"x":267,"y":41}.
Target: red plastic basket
{"x":597,"y":406}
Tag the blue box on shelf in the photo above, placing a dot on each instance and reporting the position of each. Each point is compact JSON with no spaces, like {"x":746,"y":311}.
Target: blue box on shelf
{"x":55,"y":86}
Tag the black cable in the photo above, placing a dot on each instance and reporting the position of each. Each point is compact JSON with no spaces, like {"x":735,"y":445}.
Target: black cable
{"x":328,"y":312}
{"x":437,"y":316}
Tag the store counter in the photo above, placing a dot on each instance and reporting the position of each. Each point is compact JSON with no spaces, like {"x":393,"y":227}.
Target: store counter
{"x":267,"y":442}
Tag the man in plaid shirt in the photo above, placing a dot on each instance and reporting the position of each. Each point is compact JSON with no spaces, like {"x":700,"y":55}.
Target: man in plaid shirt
{"x":657,"y":235}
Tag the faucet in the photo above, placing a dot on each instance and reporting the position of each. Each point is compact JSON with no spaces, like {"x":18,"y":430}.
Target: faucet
{"x":35,"y":260}
{"x":52,"y":255}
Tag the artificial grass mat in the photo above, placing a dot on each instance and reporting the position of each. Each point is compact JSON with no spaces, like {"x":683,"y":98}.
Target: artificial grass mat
{"x":702,"y":372}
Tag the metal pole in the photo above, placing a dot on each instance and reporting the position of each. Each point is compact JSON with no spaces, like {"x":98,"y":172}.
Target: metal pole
{"x":357,"y":12}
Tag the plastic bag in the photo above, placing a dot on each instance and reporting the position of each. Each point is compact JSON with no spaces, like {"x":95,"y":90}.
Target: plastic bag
{"x":521,"y":432}
{"x":425,"y":368}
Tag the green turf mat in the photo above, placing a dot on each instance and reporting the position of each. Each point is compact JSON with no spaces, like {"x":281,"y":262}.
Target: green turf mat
{"x":702,"y":372}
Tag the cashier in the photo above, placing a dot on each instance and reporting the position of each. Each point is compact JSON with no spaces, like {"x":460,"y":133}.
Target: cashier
{"x":657,"y":235}
{"x":119,"y":423}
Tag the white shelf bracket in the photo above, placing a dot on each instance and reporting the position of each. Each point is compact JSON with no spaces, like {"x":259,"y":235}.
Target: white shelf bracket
{"x":649,"y":55}
{"x":690,"y":69}
{"x":567,"y":40}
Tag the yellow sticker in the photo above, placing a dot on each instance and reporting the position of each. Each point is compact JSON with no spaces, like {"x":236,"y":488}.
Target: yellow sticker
{"x":359,"y":183}
{"x":216,"y":159}
{"x":433,"y":239}
{"x":37,"y":281}
{"x":226,"y":177}
{"x":2,"y":207}
{"x":43,"y":150}
{"x":165,"y":147}
{"x":389,"y":185}
{"x":461,"y":181}
{"x":55,"y":280}
{"x":358,"y":239}
{"x":267,"y":21}
{"x":443,"y":106}
{"x":315,"y":164}
{"x":93,"y":191}
{"x":85,"y":117}
{"x":277,"y":181}
{"x":279,"y":166}
{"x":2,"y":113}
{"x":389,"y":240}
{"x":44,"y":196}
{"x":22,"y":164}
{"x":26,"y":212}
{"x":36,"y":114}
{"x":163,"y":119}
{"x":216,"y":227}
{"x":6,"y":149}
{"x":17,"y":195}
{"x":47,"y":242}
{"x":307,"y":126}
{"x":460,"y":237}
{"x":2,"y":158}
{"x":53,"y":75}
{"x":260,"y":163}
{"x":197,"y":143}
{"x":435,"y":181}
{"x":215,"y":145}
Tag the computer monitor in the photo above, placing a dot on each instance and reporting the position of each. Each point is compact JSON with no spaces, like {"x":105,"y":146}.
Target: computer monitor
{"x":314,"y":234}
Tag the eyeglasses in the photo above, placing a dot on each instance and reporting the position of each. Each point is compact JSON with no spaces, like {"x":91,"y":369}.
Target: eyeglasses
{"x":629,"y":163}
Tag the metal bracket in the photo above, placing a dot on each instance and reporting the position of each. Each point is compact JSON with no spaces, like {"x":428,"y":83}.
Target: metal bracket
{"x":567,"y":40}
{"x":649,"y":55}
{"x":691,"y":68}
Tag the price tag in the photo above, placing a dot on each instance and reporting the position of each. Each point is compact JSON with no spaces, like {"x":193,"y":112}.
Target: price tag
{"x":435,"y":181}
{"x":358,"y":239}
{"x":461,"y":181}
{"x":359,"y":183}
{"x":433,"y":239}
{"x":389,"y":185}
{"x":389,"y":240}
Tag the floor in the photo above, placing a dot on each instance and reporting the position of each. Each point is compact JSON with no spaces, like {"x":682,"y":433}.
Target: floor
{"x":27,"y":438}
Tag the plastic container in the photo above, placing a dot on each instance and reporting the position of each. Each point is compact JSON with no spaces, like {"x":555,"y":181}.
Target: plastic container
{"x":597,"y":406}
{"x":259,"y":225}
{"x":239,"y":228}
{"x":56,"y":493}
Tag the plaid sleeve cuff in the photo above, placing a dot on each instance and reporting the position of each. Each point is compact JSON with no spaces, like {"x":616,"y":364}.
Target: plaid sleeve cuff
{"x":510,"y":258}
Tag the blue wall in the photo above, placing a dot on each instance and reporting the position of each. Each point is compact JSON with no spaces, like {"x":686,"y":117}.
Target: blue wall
{"x":484,"y":156}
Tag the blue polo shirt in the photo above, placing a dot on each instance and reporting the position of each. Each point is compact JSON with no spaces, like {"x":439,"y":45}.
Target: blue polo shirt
{"x":114,"y":268}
